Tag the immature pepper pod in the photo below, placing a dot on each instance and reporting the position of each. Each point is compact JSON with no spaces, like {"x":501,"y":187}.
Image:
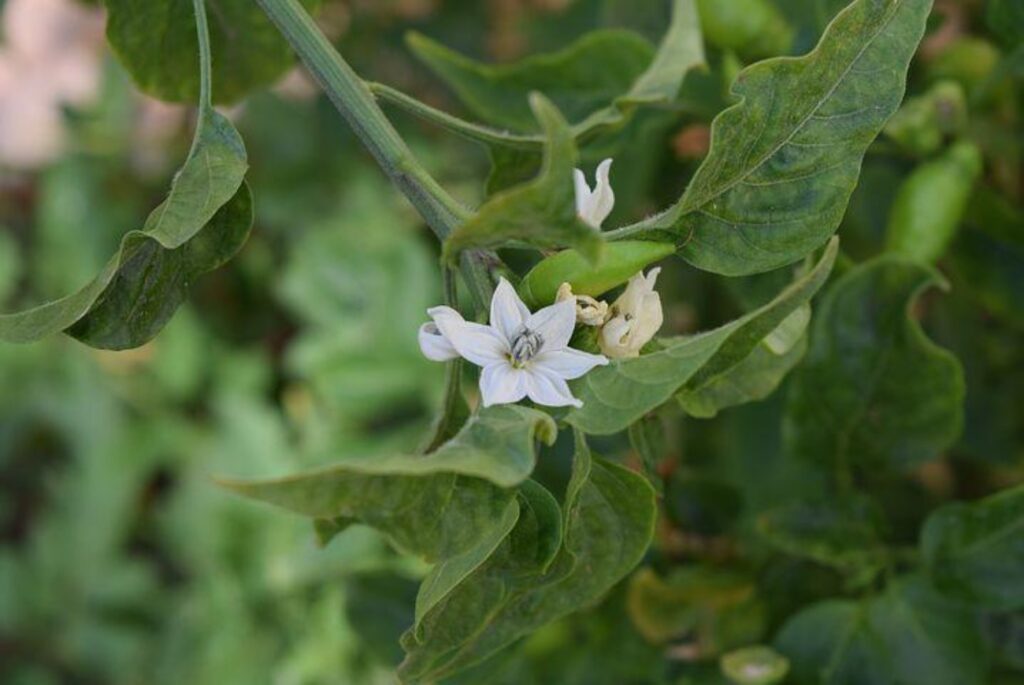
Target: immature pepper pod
{"x":619,"y":262}
{"x":930,"y":204}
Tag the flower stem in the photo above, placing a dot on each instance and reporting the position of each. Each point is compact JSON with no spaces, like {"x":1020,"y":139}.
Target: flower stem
{"x":353,"y":99}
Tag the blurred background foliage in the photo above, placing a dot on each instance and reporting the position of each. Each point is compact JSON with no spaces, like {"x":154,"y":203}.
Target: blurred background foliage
{"x":122,"y":562}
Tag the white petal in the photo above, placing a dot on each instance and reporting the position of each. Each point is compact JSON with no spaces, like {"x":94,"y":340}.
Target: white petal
{"x":549,"y":390}
{"x":582,"y":191}
{"x":501,"y":383}
{"x":508,"y":313}
{"x":434,"y":345}
{"x":568,"y":363}
{"x":602,"y":201}
{"x":480,"y":344}
{"x":554,"y":324}
{"x":615,"y":338}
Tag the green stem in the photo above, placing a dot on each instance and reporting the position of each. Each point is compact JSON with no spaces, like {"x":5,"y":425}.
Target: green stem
{"x":469,"y":130}
{"x":356,"y":103}
{"x":205,"y":61}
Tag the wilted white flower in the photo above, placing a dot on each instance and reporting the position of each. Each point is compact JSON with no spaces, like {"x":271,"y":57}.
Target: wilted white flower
{"x":636,"y":317}
{"x":589,"y":311}
{"x":594,"y":206}
{"x":521,"y":354}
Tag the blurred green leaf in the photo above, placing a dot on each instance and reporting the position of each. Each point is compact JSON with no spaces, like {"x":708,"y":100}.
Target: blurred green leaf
{"x":874,"y":391}
{"x":616,"y":395}
{"x":1005,"y":18}
{"x":784,"y":160}
{"x":845,"y":533}
{"x":976,"y":550}
{"x":579,"y":79}
{"x":909,"y":634}
{"x":692,"y":598}
{"x":540,"y":213}
{"x":156,"y":42}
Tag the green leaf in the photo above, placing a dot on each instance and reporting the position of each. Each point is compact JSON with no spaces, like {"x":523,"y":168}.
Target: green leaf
{"x":784,"y":160}
{"x":156,"y":42}
{"x":449,"y":572}
{"x":909,"y":634}
{"x":1006,"y":19}
{"x":616,"y":395}
{"x":437,"y":506}
{"x":204,"y":221}
{"x":873,"y":389}
{"x":757,"y":376}
{"x":600,"y":68}
{"x":579,"y":79}
{"x":976,"y":550}
{"x":843,"y":533}
{"x":609,"y":521}
{"x":540,"y":213}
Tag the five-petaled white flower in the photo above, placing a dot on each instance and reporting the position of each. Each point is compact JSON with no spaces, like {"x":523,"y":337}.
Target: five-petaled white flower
{"x":521,"y":354}
{"x":635,"y":317}
{"x":594,"y":206}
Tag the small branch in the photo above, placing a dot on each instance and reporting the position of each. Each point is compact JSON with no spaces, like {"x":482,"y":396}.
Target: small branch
{"x":357,"y":105}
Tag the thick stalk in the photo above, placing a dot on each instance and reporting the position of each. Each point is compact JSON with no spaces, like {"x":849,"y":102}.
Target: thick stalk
{"x":356,"y":103}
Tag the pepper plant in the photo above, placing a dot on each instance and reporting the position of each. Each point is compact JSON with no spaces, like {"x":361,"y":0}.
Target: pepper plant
{"x":560,"y":310}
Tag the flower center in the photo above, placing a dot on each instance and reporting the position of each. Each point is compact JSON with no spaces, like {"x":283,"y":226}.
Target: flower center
{"x":525,"y":347}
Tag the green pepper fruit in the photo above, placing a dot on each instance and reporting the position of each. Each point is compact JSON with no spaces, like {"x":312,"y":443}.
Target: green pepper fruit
{"x":931,"y":202}
{"x":753,"y":28}
{"x":619,"y":261}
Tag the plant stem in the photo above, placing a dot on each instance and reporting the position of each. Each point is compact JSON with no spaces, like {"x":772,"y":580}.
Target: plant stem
{"x":353,"y":99}
{"x":205,"y":62}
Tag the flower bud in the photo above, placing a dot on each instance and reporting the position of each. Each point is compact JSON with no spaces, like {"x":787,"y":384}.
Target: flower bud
{"x":636,"y":317}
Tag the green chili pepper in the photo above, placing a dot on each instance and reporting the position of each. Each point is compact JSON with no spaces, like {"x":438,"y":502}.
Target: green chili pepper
{"x":753,"y":28}
{"x":619,"y":261}
{"x":931,"y":202}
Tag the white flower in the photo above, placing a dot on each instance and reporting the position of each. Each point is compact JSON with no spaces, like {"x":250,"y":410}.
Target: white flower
{"x":594,"y":206}
{"x":589,"y":311}
{"x":522,"y":354}
{"x":636,"y":317}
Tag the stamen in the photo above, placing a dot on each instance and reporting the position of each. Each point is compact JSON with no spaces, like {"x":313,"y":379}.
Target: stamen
{"x":525,"y":346}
